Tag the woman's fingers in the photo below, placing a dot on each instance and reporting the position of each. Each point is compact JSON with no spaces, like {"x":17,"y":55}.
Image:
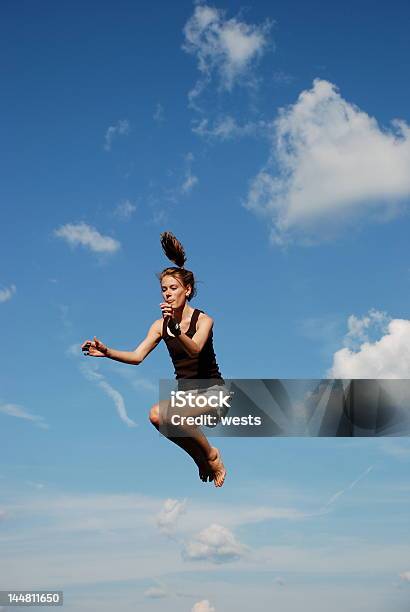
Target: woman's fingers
{"x":167,"y":310}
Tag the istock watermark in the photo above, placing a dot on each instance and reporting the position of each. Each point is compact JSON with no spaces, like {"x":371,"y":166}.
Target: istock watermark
{"x":285,"y":407}
{"x":184,"y":399}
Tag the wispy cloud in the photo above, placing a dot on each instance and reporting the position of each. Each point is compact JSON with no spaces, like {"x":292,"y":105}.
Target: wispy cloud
{"x":156,"y":592}
{"x":125,"y":209}
{"x":337,"y":495}
{"x":190,"y":179}
{"x":227,"y":128}
{"x":17,"y":411}
{"x":159,"y":113}
{"x":335,"y":165}
{"x":405,"y":576}
{"x":121,"y":128}
{"x":116,"y":540}
{"x":7,"y":293}
{"x":226,"y":48}
{"x":92,"y":374}
{"x":399,"y":449}
{"x":76,"y":234}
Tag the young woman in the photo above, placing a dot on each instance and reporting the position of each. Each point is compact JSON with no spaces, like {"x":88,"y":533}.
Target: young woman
{"x":187,"y":333}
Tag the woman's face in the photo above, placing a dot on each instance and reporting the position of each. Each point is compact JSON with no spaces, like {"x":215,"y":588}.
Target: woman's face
{"x":173,"y":291}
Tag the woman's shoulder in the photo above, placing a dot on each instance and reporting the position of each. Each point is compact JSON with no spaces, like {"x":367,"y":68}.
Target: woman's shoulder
{"x":202,"y":316}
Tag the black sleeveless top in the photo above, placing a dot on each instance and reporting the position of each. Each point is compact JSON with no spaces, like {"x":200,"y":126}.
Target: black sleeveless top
{"x":202,"y":366}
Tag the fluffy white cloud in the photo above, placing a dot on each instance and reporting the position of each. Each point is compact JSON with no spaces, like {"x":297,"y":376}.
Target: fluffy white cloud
{"x":168,"y":516}
{"x":359,"y":328}
{"x":121,"y":128}
{"x":86,"y":235}
{"x":19,"y":412}
{"x":7,"y":293}
{"x":388,"y":357}
{"x":203,"y":606}
{"x":227,"y":47}
{"x":330,"y":163}
{"x":216,"y":544}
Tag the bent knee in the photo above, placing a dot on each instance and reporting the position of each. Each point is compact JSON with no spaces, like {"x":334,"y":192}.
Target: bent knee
{"x":154,"y":415}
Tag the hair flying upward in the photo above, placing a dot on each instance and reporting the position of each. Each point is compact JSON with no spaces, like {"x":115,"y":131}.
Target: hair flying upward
{"x":174,"y":250}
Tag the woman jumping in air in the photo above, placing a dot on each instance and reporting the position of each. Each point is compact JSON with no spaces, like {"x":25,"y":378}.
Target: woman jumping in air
{"x":187,"y":333}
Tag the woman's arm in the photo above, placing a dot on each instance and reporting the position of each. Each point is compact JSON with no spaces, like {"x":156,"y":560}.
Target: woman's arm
{"x":193,"y":346}
{"x":96,"y":348}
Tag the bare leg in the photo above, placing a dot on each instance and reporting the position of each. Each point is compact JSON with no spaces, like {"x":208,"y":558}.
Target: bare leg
{"x":189,"y":445}
{"x":195,"y":435}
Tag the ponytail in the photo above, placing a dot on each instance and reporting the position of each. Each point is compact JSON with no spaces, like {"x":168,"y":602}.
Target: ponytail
{"x":175,"y":252}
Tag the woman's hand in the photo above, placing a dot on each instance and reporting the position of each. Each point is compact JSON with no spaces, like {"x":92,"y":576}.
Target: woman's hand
{"x":167,"y":310}
{"x":94,"y":348}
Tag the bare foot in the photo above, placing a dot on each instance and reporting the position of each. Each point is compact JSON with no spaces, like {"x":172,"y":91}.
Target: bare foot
{"x":218,"y":468}
{"x":205,"y":471}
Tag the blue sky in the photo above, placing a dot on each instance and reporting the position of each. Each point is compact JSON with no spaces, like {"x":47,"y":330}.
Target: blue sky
{"x":273,"y":140}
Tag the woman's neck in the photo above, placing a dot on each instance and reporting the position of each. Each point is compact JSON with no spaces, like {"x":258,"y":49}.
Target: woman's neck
{"x":183,"y":313}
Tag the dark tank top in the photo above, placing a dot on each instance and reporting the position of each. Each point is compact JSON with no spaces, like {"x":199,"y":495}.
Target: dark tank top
{"x":202,"y":366}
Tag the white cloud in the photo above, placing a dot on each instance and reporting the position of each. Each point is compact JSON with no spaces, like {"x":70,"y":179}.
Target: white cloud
{"x":227,"y":48}
{"x":388,"y":357}
{"x":125,"y":209}
{"x":216,"y":544}
{"x":330,"y":163}
{"x":96,"y":538}
{"x":85,"y":235}
{"x":168,"y":517}
{"x":203,"y":606}
{"x":7,"y":293}
{"x":405,"y":576}
{"x":121,"y":128}
{"x":93,"y":375}
{"x":19,"y":412}
{"x":359,"y":328}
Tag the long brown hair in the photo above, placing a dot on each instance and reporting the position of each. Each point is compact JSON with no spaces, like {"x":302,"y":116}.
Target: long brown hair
{"x":174,"y":251}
